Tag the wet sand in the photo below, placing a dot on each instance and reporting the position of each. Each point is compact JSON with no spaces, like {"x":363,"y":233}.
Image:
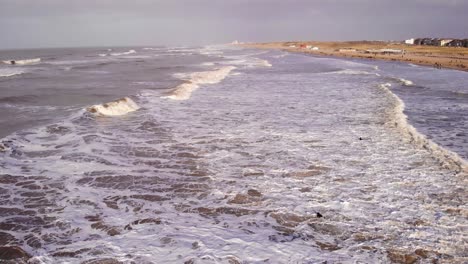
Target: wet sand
{"x":438,"y":57}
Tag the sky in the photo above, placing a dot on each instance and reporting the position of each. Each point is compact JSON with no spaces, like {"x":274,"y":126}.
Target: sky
{"x":76,"y":23}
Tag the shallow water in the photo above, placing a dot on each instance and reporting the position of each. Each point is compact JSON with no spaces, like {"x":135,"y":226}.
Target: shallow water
{"x":286,"y":158}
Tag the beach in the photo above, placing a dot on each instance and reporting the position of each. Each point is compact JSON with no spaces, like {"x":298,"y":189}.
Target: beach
{"x":227,"y":154}
{"x":438,"y":57}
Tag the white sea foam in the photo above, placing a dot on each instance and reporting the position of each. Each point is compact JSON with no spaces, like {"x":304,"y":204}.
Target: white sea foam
{"x":248,"y":62}
{"x":123,"y":53}
{"x":208,"y":64}
{"x":118,"y":107}
{"x":102,"y":54}
{"x":447,"y":158}
{"x":22,"y":62}
{"x":10,"y":72}
{"x":153,"y":48}
{"x":184,"y":91}
{"x":405,"y":82}
{"x":264,"y":63}
{"x":353,"y":72}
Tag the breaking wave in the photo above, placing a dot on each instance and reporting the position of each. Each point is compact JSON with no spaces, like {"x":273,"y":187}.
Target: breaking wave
{"x":405,"y":82}
{"x":264,"y":63}
{"x":10,"y":72}
{"x":118,"y":107}
{"x":22,"y":62}
{"x":184,"y":91}
{"x":123,"y":53}
{"x":353,"y":72}
{"x":447,"y":158}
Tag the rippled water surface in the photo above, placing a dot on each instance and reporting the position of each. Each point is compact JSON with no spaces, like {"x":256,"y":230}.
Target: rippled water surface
{"x":268,"y":157}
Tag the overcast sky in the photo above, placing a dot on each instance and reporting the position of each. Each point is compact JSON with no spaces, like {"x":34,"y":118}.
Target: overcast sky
{"x":73,"y":23}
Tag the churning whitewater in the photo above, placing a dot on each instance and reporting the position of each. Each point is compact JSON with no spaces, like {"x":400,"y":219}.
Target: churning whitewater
{"x":220,"y":154}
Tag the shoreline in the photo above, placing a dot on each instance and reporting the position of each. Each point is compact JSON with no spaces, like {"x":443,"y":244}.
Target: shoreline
{"x":432,"y":56}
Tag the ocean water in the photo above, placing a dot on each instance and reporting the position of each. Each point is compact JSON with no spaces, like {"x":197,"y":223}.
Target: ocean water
{"x":220,"y":154}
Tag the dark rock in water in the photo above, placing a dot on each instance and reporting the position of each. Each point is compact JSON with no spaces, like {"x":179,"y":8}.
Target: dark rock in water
{"x":255,"y":193}
{"x":360,"y":138}
{"x":327,"y":246}
{"x":33,"y":241}
{"x":6,"y":238}
{"x":14,"y":253}
{"x":319,"y":215}
{"x":396,"y":256}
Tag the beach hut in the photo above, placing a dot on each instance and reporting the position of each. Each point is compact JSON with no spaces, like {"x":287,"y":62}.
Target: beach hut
{"x":456,"y":43}
{"x":426,"y":42}
{"x":445,"y":42}
{"x":465,"y":43}
{"x":409,"y":41}
{"x":435,"y":42}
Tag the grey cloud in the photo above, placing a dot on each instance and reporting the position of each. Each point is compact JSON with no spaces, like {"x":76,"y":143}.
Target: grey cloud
{"x":39,"y":23}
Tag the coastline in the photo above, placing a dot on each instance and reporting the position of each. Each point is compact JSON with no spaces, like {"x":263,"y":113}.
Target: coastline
{"x":433,"y":56}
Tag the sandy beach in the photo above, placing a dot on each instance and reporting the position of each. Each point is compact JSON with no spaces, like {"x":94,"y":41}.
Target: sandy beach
{"x":438,"y":57}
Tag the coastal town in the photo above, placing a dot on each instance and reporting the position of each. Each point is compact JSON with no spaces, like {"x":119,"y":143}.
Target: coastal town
{"x":439,"y":53}
{"x":442,"y":42}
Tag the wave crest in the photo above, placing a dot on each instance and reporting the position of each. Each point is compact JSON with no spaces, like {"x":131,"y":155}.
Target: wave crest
{"x":447,"y":158}
{"x":405,"y":82}
{"x":118,"y":107}
{"x":22,"y":62}
{"x":10,"y":72}
{"x":122,"y":53}
{"x":184,"y":91}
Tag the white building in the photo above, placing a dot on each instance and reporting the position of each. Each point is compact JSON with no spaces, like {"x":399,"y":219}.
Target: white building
{"x":409,"y":41}
{"x":444,"y":42}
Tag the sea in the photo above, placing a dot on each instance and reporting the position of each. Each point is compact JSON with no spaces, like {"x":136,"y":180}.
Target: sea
{"x":226,"y":154}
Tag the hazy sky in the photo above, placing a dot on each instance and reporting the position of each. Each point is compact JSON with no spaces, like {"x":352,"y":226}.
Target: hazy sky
{"x":65,"y":23}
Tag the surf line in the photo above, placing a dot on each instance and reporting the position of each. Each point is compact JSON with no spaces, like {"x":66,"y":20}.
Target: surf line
{"x":184,"y":91}
{"x":448,"y":159}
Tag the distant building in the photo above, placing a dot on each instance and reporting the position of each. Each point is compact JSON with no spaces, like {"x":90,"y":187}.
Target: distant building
{"x":409,"y":41}
{"x":435,"y":42}
{"x":456,"y":43}
{"x":426,"y":42}
{"x":385,"y":51}
{"x":440,"y":42}
{"x":347,"y":50}
{"x":445,"y":42}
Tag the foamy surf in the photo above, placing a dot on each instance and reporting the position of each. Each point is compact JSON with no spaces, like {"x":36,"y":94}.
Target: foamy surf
{"x":22,"y":62}
{"x":447,"y":158}
{"x":10,"y":72}
{"x":123,"y":53}
{"x":184,"y":91}
{"x":118,"y":107}
{"x":264,"y":63}
{"x":354,"y":72}
{"x":405,"y":82}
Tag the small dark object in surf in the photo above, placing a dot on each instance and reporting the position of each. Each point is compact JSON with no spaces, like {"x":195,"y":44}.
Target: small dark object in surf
{"x":319,"y":215}
{"x":12,"y":62}
{"x":360,"y":138}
